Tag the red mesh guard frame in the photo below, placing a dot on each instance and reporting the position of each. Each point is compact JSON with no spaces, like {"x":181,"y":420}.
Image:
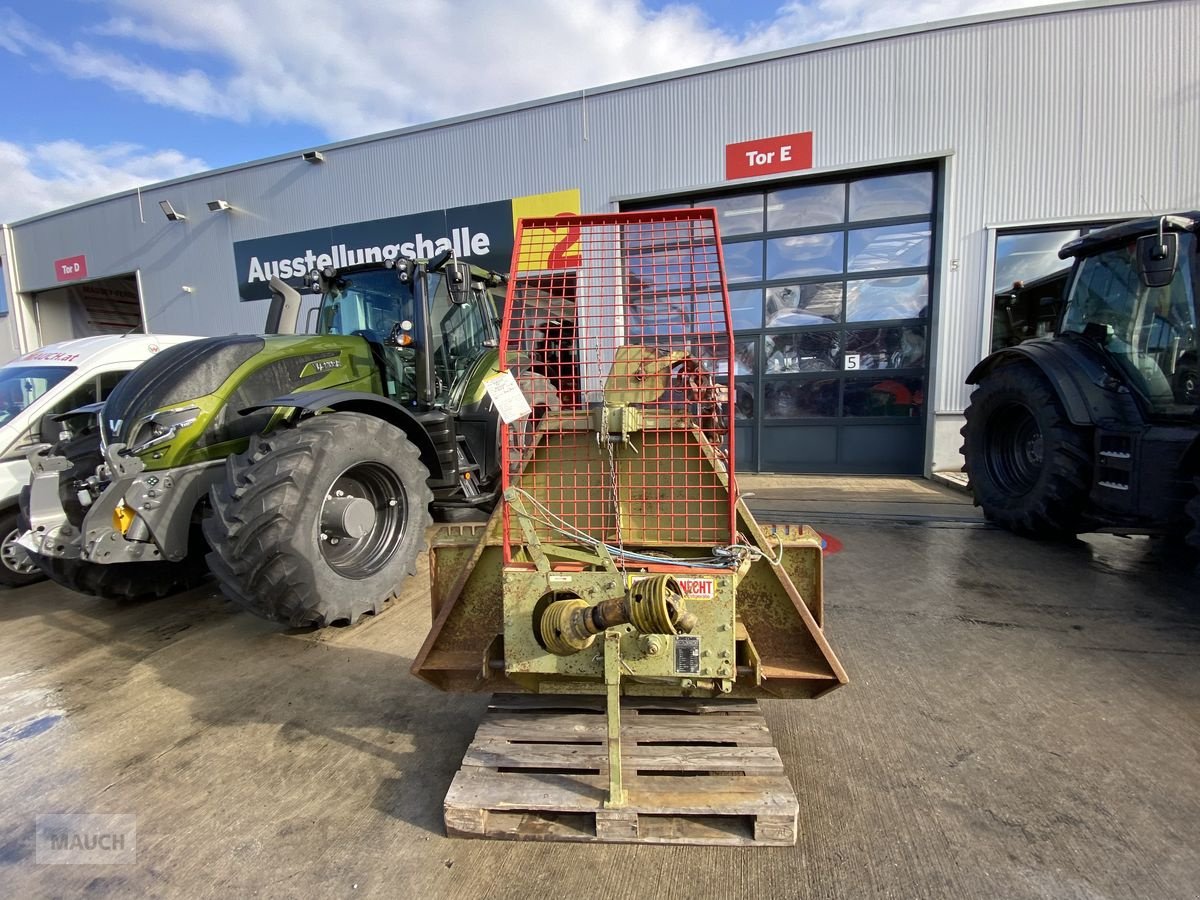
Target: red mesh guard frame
{"x":624,"y":303}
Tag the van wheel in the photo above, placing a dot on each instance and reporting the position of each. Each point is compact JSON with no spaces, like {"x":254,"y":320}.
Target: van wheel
{"x":17,"y":567}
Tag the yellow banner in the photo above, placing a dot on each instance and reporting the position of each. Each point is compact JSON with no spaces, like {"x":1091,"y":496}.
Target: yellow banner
{"x":556,"y":248}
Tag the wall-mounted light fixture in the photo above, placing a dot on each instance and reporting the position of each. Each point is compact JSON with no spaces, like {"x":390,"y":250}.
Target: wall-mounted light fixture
{"x":169,"y":211}
{"x":313,"y":156}
{"x":219,"y":205}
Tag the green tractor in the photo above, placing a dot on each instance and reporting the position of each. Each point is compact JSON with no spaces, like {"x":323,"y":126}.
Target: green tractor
{"x":305,"y":467}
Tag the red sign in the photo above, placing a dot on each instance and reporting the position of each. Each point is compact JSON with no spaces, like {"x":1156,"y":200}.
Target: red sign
{"x":71,"y":268}
{"x":769,"y":156}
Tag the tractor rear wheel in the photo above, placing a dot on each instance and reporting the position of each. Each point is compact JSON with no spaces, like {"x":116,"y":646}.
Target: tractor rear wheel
{"x":321,"y":523}
{"x":1029,"y":468}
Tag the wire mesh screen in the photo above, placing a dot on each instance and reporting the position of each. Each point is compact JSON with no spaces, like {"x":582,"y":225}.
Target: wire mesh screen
{"x":617,"y":329}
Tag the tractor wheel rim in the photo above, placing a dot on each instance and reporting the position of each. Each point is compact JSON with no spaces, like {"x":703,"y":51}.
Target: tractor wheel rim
{"x":363,"y":519}
{"x":1016,"y":451}
{"x":14,"y":556}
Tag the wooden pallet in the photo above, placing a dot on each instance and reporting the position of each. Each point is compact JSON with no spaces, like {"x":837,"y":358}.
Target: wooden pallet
{"x":696,"y":772}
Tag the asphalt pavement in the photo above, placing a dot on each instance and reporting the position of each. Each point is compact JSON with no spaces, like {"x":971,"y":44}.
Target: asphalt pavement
{"x":1021,"y":721}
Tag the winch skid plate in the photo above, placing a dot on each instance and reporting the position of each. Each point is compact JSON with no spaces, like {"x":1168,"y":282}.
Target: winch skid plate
{"x":621,"y":560}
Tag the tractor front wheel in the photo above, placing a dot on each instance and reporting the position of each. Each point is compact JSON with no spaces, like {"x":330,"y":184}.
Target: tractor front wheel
{"x":321,"y":523}
{"x":1029,"y":468}
{"x":124,"y":581}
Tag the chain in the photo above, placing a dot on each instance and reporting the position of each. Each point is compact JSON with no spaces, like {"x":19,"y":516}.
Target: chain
{"x":616,"y":493}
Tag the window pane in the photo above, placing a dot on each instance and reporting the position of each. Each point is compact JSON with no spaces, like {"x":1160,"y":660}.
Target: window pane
{"x":640,"y":235}
{"x":884,"y":348}
{"x":804,"y":304}
{"x":889,"y":247}
{"x":673,"y":269}
{"x":804,"y":351}
{"x":743,"y":358}
{"x":805,"y":254}
{"x":804,"y":207}
{"x":891,"y":195}
{"x":890,"y":396}
{"x":737,"y":215}
{"x":746,"y":309}
{"x":794,"y":399}
{"x":743,"y":261}
{"x":706,"y":312}
{"x":887,"y":298}
{"x":743,"y":407}
{"x":1026,"y":257}
{"x":1030,"y":281}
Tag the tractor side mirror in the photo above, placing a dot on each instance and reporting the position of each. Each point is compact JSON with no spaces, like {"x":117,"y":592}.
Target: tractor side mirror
{"x":1157,"y":258}
{"x":458,"y":281}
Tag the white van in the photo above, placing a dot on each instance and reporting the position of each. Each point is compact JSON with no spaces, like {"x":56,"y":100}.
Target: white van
{"x":53,"y":380}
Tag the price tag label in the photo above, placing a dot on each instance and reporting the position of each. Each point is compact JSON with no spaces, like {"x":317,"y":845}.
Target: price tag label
{"x":507,"y":397}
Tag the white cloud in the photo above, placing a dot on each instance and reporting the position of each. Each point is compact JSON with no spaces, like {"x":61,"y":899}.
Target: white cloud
{"x":360,"y":66}
{"x":56,"y":174}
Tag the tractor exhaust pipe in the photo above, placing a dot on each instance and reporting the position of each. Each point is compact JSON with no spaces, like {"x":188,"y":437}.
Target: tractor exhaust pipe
{"x":285,"y":308}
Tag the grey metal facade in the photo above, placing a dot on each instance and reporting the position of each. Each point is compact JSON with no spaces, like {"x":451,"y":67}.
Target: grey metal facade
{"x":1068,"y":113}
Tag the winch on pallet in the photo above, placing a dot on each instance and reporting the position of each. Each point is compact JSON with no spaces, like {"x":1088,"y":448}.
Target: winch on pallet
{"x":621,"y":560}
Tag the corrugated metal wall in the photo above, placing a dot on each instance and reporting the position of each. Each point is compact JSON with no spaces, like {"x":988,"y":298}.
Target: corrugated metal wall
{"x":1071,"y":114}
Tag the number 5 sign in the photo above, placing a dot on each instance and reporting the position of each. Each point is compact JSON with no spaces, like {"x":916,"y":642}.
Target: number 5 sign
{"x":850,"y":361}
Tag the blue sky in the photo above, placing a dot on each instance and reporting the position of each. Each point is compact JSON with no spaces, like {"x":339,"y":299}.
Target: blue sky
{"x":103,"y":95}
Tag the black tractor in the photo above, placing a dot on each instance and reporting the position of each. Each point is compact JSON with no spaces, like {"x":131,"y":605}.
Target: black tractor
{"x":1097,"y":427}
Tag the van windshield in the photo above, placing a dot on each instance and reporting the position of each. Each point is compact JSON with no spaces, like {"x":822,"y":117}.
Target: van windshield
{"x":22,"y":385}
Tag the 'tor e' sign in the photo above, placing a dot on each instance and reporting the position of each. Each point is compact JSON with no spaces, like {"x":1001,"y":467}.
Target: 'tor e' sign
{"x":769,"y":156}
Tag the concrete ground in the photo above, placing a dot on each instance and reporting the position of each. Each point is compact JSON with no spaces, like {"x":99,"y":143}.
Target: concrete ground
{"x":1023,"y":720}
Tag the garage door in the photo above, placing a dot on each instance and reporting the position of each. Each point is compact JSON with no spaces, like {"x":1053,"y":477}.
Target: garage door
{"x":830,"y":283}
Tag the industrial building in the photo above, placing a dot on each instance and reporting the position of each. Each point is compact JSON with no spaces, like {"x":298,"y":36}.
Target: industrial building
{"x":890,"y":205}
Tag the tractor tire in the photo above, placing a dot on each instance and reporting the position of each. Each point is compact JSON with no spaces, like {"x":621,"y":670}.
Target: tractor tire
{"x":129,"y":581}
{"x":17,"y":567}
{"x":1028,"y":467}
{"x":1193,"y":538}
{"x":319,"y":524}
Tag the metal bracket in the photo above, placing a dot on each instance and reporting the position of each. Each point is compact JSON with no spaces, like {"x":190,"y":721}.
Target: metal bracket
{"x":120,"y":463}
{"x":612,"y":682}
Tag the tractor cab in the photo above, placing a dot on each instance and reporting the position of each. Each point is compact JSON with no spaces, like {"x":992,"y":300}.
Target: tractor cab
{"x":1135,"y":296}
{"x":428,"y":324}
